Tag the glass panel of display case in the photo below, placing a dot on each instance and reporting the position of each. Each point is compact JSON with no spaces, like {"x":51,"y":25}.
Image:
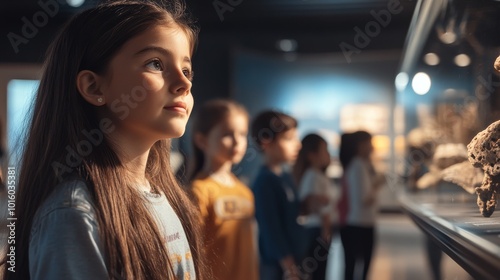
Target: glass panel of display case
{"x":448,"y":92}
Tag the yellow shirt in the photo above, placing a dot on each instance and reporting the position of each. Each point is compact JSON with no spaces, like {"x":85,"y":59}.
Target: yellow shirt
{"x":229,"y":231}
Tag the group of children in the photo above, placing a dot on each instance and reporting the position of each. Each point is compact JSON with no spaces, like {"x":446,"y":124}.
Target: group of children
{"x":96,"y":196}
{"x":228,"y":207}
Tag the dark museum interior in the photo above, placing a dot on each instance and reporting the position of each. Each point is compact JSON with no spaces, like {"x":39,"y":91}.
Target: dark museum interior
{"x":421,"y":77}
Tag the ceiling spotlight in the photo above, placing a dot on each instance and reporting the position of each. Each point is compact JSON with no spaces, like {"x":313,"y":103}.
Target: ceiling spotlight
{"x":75,"y":3}
{"x":431,"y":59}
{"x":421,"y":83}
{"x":287,"y":45}
{"x":448,"y":37}
{"x":462,"y":60}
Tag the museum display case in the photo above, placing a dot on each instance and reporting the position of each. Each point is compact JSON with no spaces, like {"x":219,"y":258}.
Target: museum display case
{"x":448,"y":92}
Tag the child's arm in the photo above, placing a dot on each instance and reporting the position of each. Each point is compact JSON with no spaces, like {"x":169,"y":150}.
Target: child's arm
{"x":268,"y":202}
{"x":360,"y":185}
{"x":65,"y":244}
{"x":290,"y":270}
{"x":326,"y":227}
{"x":312,"y":200}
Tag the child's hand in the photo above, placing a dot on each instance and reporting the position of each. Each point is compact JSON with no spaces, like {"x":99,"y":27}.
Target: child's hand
{"x":326,"y":228}
{"x":314,"y":202}
{"x":326,"y":234}
{"x":290,"y":270}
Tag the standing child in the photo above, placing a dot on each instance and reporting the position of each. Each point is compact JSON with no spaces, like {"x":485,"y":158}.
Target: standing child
{"x":360,"y":187}
{"x":96,"y":196}
{"x":319,"y":196}
{"x":226,"y":204}
{"x":281,"y":238}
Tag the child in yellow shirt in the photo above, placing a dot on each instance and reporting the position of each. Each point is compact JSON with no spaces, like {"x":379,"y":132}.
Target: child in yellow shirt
{"x":226,"y":204}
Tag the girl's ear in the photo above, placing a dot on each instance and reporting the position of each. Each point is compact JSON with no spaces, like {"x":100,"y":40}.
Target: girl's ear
{"x":265,"y":145}
{"x":87,"y":83}
{"x":200,"y":140}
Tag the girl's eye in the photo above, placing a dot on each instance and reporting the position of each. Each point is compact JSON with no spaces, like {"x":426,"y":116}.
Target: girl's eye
{"x":188,"y":73}
{"x":155,"y":65}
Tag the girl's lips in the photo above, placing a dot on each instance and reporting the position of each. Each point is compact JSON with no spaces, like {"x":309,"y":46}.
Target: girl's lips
{"x":180,"y":107}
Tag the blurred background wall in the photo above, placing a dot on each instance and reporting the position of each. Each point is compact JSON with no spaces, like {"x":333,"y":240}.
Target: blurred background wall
{"x":330,"y":63}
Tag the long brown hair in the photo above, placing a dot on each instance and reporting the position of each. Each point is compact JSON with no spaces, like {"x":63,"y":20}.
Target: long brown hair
{"x":208,"y":116}
{"x":61,"y":119}
{"x":310,"y":144}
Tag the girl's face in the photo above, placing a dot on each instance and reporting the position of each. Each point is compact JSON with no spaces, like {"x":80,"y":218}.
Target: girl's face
{"x":147,"y":85}
{"x":285,"y":147}
{"x":320,"y":158}
{"x":227,"y":141}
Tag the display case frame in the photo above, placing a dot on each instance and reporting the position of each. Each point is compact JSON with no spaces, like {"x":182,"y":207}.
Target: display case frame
{"x":462,"y":99}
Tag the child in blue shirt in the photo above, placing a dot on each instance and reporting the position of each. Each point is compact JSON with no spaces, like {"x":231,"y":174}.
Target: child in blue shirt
{"x":281,"y":239}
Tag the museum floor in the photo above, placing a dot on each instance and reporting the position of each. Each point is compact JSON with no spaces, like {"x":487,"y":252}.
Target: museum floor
{"x":399,"y":254}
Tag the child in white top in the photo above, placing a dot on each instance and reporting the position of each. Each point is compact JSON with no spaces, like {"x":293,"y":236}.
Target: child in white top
{"x":319,"y":197}
{"x":360,"y":186}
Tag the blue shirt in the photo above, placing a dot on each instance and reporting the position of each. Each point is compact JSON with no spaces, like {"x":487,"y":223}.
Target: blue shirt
{"x":276,"y":210}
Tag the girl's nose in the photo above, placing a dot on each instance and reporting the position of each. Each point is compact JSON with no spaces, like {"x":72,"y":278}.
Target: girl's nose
{"x":181,"y":85}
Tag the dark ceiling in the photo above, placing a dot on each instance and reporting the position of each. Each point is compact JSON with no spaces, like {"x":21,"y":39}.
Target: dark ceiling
{"x":318,"y":26}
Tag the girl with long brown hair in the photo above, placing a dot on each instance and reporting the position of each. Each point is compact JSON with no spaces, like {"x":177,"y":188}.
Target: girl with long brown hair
{"x":96,"y":196}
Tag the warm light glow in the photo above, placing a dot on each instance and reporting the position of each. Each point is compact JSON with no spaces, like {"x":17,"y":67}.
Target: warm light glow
{"x":373,"y":118}
{"x":400,"y":144}
{"x":381,"y":144}
{"x":448,"y":37}
{"x":431,"y":59}
{"x":401,"y":81}
{"x":421,"y":83}
{"x":462,"y":60}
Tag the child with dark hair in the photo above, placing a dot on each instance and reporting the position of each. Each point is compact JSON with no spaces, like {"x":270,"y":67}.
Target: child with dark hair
{"x":282,"y":241}
{"x":360,"y":186}
{"x":319,"y":197}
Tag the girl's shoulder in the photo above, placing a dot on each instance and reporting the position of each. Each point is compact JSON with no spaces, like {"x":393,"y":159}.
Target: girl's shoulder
{"x":203,"y":183}
{"x":357,"y":162}
{"x":73,"y":194}
{"x":313,"y":172}
{"x":265,"y":173}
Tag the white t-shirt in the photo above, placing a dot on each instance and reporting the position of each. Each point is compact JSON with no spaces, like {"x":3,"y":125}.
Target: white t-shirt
{"x":360,"y":185}
{"x":173,"y":235}
{"x":315,"y":182}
